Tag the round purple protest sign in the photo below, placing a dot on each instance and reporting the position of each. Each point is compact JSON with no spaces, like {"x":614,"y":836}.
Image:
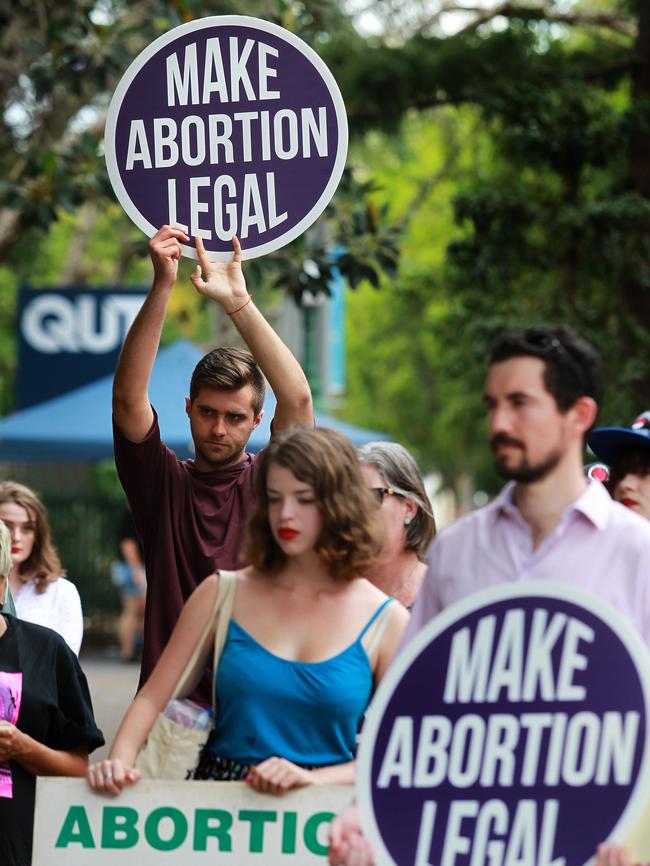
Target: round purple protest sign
{"x":227,"y":125}
{"x":514,"y":730}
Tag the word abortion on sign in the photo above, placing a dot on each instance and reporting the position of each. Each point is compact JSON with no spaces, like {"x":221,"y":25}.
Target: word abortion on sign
{"x":193,"y":822}
{"x":227,"y":125}
{"x":512,"y":731}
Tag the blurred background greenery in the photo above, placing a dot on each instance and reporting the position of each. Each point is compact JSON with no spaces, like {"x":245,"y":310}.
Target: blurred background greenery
{"x":498,"y":175}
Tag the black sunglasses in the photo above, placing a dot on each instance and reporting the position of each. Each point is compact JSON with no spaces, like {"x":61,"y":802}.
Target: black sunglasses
{"x":380,"y":492}
{"x":550,"y":348}
{"x":543,"y":342}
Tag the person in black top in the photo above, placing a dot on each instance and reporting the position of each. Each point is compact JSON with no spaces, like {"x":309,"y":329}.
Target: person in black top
{"x":46,"y":719}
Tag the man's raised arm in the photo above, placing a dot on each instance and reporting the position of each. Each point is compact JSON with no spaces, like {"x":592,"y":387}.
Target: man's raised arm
{"x":131,"y":408}
{"x":224,"y":283}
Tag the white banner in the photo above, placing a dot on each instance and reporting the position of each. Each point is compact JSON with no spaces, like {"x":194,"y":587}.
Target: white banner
{"x":182,"y":822}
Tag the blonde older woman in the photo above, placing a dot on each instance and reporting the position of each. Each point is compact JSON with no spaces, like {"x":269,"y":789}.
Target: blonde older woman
{"x":46,"y":719}
{"x":406,"y":517}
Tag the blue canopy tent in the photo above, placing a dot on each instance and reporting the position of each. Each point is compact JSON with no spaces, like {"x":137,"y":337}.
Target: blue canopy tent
{"x":77,"y":426}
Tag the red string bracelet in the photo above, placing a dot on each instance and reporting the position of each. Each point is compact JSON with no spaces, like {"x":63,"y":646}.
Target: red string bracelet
{"x":247,"y":301}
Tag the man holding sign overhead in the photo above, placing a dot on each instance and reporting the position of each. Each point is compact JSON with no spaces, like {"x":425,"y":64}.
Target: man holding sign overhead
{"x":190,"y":514}
{"x":223,"y":126}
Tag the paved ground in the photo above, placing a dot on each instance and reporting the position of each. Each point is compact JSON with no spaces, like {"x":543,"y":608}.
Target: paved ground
{"x":112,"y":686}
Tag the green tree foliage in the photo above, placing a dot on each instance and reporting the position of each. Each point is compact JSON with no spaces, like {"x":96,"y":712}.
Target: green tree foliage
{"x":409,"y":373}
{"x":508,"y":163}
{"x":551,"y":211}
{"x":61,"y":63}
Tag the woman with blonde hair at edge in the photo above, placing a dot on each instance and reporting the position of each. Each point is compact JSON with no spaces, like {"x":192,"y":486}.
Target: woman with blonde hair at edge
{"x":46,"y":719}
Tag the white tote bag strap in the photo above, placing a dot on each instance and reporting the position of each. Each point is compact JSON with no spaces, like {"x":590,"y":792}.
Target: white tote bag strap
{"x":227,"y":587}
{"x":223,"y":599}
{"x":379,"y":626}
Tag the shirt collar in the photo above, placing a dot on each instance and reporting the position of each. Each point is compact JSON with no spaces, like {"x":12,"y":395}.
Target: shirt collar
{"x":504,"y":502}
{"x":594,"y":503}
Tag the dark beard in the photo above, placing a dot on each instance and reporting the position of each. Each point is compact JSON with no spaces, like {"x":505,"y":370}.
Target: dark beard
{"x":525,"y":473}
{"x":215,"y":465}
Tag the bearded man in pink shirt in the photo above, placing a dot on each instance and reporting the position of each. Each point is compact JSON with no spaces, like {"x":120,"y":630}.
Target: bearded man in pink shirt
{"x":549,"y":522}
{"x":542,"y":393}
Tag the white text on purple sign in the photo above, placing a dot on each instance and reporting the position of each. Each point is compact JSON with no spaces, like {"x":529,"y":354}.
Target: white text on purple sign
{"x":226,"y":138}
{"x":524,"y":749}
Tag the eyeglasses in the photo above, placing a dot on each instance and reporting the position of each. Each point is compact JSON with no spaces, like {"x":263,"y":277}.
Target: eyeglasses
{"x":380,"y":492}
{"x":550,"y":348}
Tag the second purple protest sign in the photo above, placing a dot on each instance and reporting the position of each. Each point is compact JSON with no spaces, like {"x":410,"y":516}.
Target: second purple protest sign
{"x":512,"y":731}
{"x":227,"y":125}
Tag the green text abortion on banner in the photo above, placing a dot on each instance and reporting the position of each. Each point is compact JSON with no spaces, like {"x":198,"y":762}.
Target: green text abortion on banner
{"x":198,"y":822}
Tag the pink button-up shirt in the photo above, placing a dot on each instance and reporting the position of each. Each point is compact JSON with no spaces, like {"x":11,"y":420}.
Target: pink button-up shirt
{"x":598,"y":545}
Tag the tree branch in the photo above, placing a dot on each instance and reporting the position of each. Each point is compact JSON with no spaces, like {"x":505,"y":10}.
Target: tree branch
{"x":544,"y":11}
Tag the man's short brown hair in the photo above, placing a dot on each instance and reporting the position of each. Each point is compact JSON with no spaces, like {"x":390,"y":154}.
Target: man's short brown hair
{"x":229,"y":369}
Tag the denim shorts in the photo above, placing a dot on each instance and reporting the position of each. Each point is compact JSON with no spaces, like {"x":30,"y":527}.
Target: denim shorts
{"x":122,"y":577}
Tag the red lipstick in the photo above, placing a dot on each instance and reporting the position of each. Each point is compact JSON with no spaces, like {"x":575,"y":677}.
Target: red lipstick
{"x":286,"y":533}
{"x":629,"y":503}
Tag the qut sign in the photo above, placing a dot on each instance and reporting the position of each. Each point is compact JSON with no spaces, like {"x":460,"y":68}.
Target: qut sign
{"x":69,"y":337}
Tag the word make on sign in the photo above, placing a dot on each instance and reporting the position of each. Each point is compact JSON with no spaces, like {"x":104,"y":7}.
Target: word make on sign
{"x":514,"y":736}
{"x":227,"y":126}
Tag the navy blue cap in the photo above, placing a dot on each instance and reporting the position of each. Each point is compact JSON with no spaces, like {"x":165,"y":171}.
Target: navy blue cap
{"x":606,"y":442}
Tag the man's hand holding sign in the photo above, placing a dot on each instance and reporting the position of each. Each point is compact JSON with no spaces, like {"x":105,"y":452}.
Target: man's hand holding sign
{"x":165,"y":250}
{"x":612,"y":855}
{"x":221,"y":281}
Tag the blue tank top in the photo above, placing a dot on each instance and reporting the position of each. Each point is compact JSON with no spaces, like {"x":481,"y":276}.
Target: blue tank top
{"x":306,"y":712}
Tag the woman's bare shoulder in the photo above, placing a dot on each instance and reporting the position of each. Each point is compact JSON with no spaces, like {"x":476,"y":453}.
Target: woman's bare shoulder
{"x":208,"y":587}
{"x":375,"y":597}
{"x":367,"y":590}
{"x":248,"y":575}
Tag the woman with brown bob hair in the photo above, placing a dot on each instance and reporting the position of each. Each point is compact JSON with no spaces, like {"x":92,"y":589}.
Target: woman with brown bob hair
{"x":41,"y":593}
{"x":350,"y":539}
{"x":308,"y":640}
